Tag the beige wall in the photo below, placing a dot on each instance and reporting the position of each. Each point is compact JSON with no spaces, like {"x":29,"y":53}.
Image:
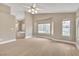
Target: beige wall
{"x":77,"y":28}
{"x":4,"y":9}
{"x":28,"y":25}
{"x":7,"y":25}
{"x":57,"y":18}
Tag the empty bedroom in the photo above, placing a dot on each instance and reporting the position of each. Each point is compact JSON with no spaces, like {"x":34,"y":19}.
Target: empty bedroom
{"x":39,"y":29}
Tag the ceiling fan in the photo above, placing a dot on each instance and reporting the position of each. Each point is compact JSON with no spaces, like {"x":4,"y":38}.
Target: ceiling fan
{"x":33,"y":9}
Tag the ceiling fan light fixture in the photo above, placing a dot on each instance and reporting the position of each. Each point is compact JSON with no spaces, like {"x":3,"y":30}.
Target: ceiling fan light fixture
{"x":36,"y":11}
{"x":29,"y":10}
{"x":33,"y":9}
{"x":32,"y":12}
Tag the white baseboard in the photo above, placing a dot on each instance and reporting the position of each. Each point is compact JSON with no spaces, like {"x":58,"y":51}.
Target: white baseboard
{"x":77,"y":46}
{"x":64,"y":41}
{"x":4,"y":42}
{"x":28,"y":37}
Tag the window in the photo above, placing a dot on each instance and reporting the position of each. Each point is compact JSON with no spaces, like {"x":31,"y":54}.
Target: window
{"x":52,"y":28}
{"x":66,"y":28}
{"x":44,"y":28}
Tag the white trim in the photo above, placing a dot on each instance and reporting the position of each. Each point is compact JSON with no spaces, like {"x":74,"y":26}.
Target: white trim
{"x":58,"y":40}
{"x":4,"y":42}
{"x":77,"y":46}
{"x":28,"y":37}
{"x":64,"y":41}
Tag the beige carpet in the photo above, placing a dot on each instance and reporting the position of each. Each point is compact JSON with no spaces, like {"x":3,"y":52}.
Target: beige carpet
{"x":37,"y":47}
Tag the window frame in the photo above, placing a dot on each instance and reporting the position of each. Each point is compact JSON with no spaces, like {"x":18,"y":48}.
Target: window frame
{"x":66,"y":28}
{"x":44,"y":33}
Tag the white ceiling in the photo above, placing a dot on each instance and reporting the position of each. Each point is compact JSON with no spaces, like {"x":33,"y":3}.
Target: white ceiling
{"x":18,"y":9}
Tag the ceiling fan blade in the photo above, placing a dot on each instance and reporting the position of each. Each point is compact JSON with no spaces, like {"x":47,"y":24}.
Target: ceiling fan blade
{"x":34,"y":5}
{"x":38,"y":9}
{"x":27,"y":6}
